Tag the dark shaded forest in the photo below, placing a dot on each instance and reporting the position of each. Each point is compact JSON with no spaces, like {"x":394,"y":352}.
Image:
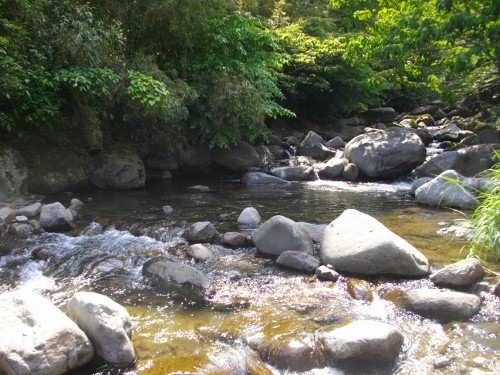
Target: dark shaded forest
{"x":168,"y":73}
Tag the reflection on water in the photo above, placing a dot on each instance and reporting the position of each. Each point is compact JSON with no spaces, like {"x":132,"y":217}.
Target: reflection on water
{"x":252,"y":305}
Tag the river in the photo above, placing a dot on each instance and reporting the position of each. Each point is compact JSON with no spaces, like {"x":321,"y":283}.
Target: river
{"x":254,"y":314}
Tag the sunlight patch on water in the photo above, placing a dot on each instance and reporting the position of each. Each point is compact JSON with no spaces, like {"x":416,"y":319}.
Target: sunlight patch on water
{"x":398,"y":186}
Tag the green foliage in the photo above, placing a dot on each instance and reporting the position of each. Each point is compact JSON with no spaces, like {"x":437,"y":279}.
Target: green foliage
{"x":485,"y":241}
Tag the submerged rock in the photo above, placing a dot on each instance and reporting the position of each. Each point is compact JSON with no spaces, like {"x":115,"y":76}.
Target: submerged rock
{"x":363,"y":340}
{"x":459,"y":275}
{"x":280,"y":234}
{"x":166,"y":273}
{"x":260,"y":178}
{"x":237,"y":158}
{"x":39,"y":339}
{"x":106,"y":323}
{"x":357,"y":243}
{"x":360,"y":290}
{"x":442,"y":305}
{"x":298,"y":261}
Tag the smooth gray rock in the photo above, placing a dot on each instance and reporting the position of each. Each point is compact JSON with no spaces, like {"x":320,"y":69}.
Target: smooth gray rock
{"x":249,"y":217}
{"x":200,"y":252}
{"x":332,"y":169}
{"x":37,"y":338}
{"x":166,"y":274}
{"x":442,"y":305}
{"x":201,"y":232}
{"x":363,"y":340}
{"x":298,"y":261}
{"x":54,"y":217}
{"x":386,"y":154}
{"x":460,"y":274}
{"x":119,"y":169}
{"x":234,"y":239}
{"x":31,"y":210}
{"x":237,"y":158}
{"x":21,"y":219}
{"x":295,"y":173}
{"x":382,"y":114}
{"x":106,"y":323}
{"x":259,"y":178}
{"x":326,"y":273}
{"x":468,"y":161}
{"x":358,"y":243}
{"x":279,"y":234}
{"x":449,"y":189}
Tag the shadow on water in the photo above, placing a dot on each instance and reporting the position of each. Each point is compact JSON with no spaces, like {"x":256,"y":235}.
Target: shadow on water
{"x":252,"y":306}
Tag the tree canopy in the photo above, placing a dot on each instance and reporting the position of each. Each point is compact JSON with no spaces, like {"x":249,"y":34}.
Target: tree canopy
{"x":174,"y":72}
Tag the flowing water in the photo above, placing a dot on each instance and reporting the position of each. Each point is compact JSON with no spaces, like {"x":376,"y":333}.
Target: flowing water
{"x":256,"y":318}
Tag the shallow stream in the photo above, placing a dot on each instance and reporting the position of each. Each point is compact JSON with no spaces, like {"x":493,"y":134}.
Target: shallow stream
{"x":256,"y":318}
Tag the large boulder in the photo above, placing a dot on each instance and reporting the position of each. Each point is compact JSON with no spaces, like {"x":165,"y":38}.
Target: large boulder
{"x":460,"y":274}
{"x":119,"y":169}
{"x":295,"y":173}
{"x":298,"y":260}
{"x":386,"y":154}
{"x":55,"y":217}
{"x":106,"y":323}
{"x":39,"y":339}
{"x":260,"y":178}
{"x":49,"y":173}
{"x":363,"y":340}
{"x":358,"y":243}
{"x":13,"y":174}
{"x":280,"y":234}
{"x":468,"y":161}
{"x":383,"y":114}
{"x":449,"y":189}
{"x":442,"y":305}
{"x":201,"y":232}
{"x":237,"y":158}
{"x":313,"y":146}
{"x":196,"y":158}
{"x":168,"y":274}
